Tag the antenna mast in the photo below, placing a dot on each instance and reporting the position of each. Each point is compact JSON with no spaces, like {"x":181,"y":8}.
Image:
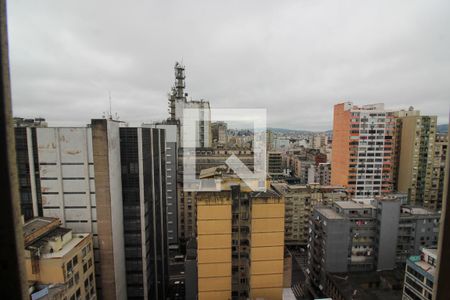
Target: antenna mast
{"x":177,"y":92}
{"x":110,"y":106}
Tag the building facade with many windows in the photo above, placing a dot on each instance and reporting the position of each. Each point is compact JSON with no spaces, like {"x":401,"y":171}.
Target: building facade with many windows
{"x":363,"y":148}
{"x":240,"y":250}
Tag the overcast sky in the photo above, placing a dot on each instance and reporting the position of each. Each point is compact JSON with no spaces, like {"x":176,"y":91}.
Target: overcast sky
{"x":296,"y":58}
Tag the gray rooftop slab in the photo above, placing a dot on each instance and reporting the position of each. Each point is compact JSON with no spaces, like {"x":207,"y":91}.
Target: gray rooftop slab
{"x":329,"y":213}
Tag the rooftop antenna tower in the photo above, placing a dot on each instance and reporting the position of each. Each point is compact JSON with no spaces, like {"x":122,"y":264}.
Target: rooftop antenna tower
{"x":179,"y":81}
{"x":177,"y":92}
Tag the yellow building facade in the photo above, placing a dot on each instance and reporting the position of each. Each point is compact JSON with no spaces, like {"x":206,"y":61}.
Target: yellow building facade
{"x":240,"y":236}
{"x":59,"y":263}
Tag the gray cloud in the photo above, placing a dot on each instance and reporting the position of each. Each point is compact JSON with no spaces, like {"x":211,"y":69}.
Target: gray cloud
{"x":295,"y":58}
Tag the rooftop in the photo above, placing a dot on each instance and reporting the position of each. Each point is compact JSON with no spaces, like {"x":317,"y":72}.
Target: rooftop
{"x":35,"y":224}
{"x":267,"y":194}
{"x":35,"y":228}
{"x":417,"y":210}
{"x":329,"y":213}
{"x":352,"y":205}
{"x":76,"y":239}
{"x":49,"y":237}
{"x":285,"y":188}
{"x":422,"y":261}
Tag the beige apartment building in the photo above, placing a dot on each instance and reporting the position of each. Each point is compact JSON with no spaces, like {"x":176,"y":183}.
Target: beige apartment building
{"x":417,"y":174}
{"x":299,"y":204}
{"x":240,"y":250}
{"x":59,"y":263}
{"x":440,"y":157}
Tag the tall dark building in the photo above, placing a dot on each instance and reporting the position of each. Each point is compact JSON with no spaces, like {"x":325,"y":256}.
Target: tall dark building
{"x":28,"y":171}
{"x":171,"y":161}
{"x":144,"y":211}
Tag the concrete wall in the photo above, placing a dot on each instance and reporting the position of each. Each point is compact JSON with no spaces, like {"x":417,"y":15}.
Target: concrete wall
{"x":287,"y":269}
{"x":388,"y":233}
{"x":66,"y":176}
{"x":337,"y":245}
{"x":115,"y":185}
{"x":190,"y":282}
{"x":341,"y":138}
{"x":406,"y":154}
{"x":426,"y":232}
{"x":109,"y":208}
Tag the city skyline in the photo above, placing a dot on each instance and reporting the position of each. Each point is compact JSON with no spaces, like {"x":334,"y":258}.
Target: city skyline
{"x":65,"y":58}
{"x":230,"y":150}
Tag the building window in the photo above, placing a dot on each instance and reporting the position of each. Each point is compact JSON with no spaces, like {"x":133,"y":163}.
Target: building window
{"x":69,"y":267}
{"x":75,"y":260}
{"x":86,"y":250}
{"x":70,"y":282}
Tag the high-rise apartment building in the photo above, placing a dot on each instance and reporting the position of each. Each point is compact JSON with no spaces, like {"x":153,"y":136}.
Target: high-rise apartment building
{"x":363,"y":147}
{"x":422,"y":161}
{"x":240,"y":243}
{"x":274,"y":164}
{"x":59,"y":263}
{"x":419,"y":275}
{"x":397,"y":137}
{"x":320,"y":174}
{"x":438,"y":176}
{"x":354,"y":237}
{"x":319,"y":141}
{"x":300,"y":201}
{"x":111,"y":182}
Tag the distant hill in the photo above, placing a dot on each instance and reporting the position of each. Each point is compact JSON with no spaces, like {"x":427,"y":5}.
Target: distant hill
{"x":443,"y":128}
{"x":287,"y":131}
